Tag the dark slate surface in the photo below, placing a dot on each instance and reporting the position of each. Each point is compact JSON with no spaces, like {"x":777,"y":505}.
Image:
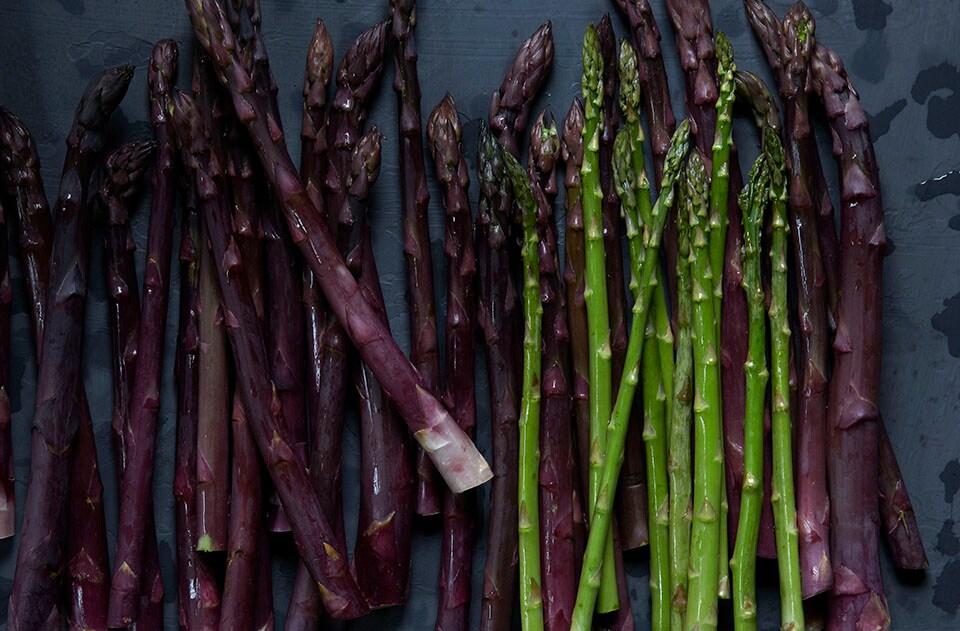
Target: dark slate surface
{"x":902,"y":57}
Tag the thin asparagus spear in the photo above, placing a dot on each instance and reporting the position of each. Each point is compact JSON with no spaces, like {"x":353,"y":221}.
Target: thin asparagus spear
{"x":782,"y":498}
{"x":136,"y":487}
{"x":499,"y":319}
{"x":660,"y":119}
{"x":679,"y":467}
{"x":40,"y":557}
{"x":857,"y":599}
{"x":443,"y":136}
{"x":312,"y":531}
{"x":707,"y":465}
{"x":644,"y":265}
{"x":754,"y":200}
{"x":198,"y":594}
{"x":595,"y":293}
{"x":415,"y":198}
{"x":896,"y":511}
{"x":531,"y":603}
{"x":305,"y":606}
{"x":510,"y":105}
{"x":634,"y":190}
{"x":455,"y":456}
{"x":557,"y":463}
{"x":7,"y":498}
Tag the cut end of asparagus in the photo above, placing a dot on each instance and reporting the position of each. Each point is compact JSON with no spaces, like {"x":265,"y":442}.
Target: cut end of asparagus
{"x":319,"y":68}
{"x":451,"y":450}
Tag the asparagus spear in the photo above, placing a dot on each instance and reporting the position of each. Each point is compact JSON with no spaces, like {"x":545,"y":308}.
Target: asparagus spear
{"x":531,"y":603}
{"x":312,"y":531}
{"x":510,"y":105}
{"x":7,"y":499}
{"x":857,"y":598}
{"x":499,"y":319}
{"x":679,"y":467}
{"x":136,"y":487}
{"x":443,"y":136}
{"x":324,"y":464}
{"x":557,"y":464}
{"x":198,"y":594}
{"x":595,"y":292}
{"x":456,"y":457}
{"x":415,"y":198}
{"x":782,"y":499}
{"x":754,"y":199}
{"x":896,"y":511}
{"x":707,"y":469}
{"x":644,"y":265}
{"x":40,"y":557}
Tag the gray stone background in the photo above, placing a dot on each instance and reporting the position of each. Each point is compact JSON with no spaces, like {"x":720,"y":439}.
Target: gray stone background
{"x":902,"y":57}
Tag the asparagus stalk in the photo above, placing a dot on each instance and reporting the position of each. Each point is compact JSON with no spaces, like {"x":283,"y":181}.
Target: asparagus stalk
{"x":198,"y":594}
{"x":660,"y":118}
{"x":455,"y":456}
{"x":857,"y":598}
{"x":499,"y":319}
{"x":443,"y":136}
{"x":312,"y":531}
{"x":782,"y":498}
{"x":557,"y":463}
{"x":415,"y":198}
{"x":754,"y":199}
{"x":136,"y":487}
{"x":707,"y":469}
{"x":531,"y":602}
{"x":595,"y":293}
{"x":679,"y":467}
{"x":644,"y":263}
{"x":7,"y":499}
{"x":263,"y":619}
{"x":40,"y":557}
{"x":510,"y":105}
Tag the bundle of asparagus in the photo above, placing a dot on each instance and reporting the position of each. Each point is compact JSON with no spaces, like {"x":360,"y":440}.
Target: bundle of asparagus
{"x":612,"y":427}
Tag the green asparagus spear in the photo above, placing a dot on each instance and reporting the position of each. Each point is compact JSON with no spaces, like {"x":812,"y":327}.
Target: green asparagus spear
{"x":753,"y":202}
{"x":703,"y":579}
{"x":595,"y":295}
{"x":531,"y":605}
{"x":782,"y":498}
{"x":644,"y":265}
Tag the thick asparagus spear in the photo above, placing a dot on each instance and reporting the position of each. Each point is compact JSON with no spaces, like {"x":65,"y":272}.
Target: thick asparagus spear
{"x":443,"y":136}
{"x":644,"y":264}
{"x":415,"y":198}
{"x":707,"y":468}
{"x":510,"y":105}
{"x":455,"y":455}
{"x":679,"y":467}
{"x":558,"y":472}
{"x":40,"y":557}
{"x":305,"y":606}
{"x":312,"y":531}
{"x":198,"y":594}
{"x":857,"y":599}
{"x":136,"y":487}
{"x":7,"y":499}
{"x":499,"y":319}
{"x":754,"y":200}
{"x":531,"y":603}
{"x":595,"y":292}
{"x":381,"y":560}
{"x":782,"y":498}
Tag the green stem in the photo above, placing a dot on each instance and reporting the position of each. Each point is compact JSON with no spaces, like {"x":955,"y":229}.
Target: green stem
{"x":531,"y":602}
{"x":703,"y":580}
{"x":595,"y":296}
{"x":782,"y":496}
{"x":644,"y":265}
{"x":753,"y":202}
{"x":678,"y":464}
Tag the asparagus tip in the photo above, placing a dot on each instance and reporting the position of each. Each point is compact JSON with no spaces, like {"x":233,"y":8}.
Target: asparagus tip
{"x":319,"y":68}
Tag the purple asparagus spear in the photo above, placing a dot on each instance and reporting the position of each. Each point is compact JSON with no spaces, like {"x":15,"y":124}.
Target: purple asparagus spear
{"x":7,"y":501}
